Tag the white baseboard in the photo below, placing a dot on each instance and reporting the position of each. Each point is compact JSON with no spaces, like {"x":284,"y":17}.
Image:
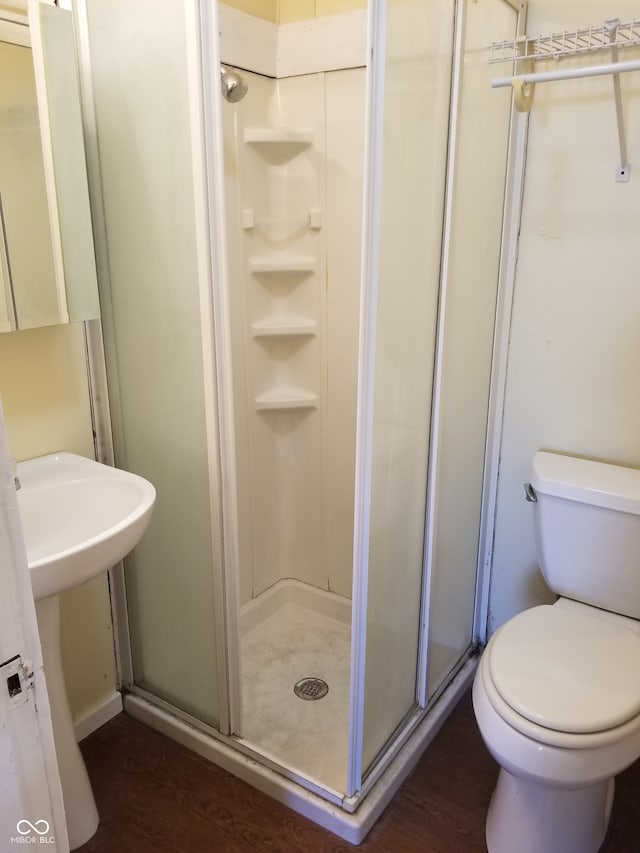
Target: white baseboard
{"x":98,"y":716}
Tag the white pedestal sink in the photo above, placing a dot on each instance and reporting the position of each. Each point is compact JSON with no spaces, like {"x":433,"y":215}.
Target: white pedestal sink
{"x":79,"y":518}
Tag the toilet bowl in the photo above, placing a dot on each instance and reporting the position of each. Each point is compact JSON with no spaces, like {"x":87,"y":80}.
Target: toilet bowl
{"x":557,"y":691}
{"x":574,"y":727}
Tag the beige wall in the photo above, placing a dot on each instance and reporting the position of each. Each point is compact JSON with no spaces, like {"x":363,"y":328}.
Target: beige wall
{"x":288,"y":11}
{"x":45,"y":398}
{"x":574,"y":356}
{"x":301,"y":10}
{"x":267,"y":9}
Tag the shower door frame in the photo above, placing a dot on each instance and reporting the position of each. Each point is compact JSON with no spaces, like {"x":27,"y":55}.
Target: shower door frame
{"x":512,"y":211}
{"x":208,"y":153}
{"x":374,"y":115}
{"x":213,"y":247}
{"x":200,"y":31}
{"x":361,"y":780}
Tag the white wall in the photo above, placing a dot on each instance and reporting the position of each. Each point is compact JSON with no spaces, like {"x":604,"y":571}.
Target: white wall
{"x":572,"y":383}
{"x":296,"y":468}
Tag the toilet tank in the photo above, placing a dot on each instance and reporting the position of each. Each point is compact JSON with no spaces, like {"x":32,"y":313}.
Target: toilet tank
{"x":587,"y":523}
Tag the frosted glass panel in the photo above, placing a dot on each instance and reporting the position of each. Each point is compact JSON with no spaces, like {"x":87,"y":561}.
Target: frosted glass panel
{"x":469,"y":311}
{"x":153,"y":340}
{"x":418,"y":76}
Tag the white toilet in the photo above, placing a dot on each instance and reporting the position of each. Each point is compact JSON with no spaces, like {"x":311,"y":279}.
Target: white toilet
{"x":557,"y":691}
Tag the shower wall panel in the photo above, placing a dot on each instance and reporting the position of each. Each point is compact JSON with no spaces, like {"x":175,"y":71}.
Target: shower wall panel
{"x":286,"y":11}
{"x":293,"y":160}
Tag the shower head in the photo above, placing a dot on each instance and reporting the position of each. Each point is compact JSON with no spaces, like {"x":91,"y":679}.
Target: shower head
{"x":233,"y":87}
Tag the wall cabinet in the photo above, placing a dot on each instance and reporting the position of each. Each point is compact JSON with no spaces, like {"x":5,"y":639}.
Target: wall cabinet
{"x":47,"y":261}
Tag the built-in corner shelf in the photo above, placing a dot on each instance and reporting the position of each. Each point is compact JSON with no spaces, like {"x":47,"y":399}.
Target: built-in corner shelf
{"x":297,"y":137}
{"x":282,"y":264}
{"x":285,"y":399}
{"x":314,"y":220}
{"x":284,"y":328}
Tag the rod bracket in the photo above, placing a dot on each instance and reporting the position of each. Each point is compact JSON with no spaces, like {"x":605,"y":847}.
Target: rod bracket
{"x":523,"y":93}
{"x":623,"y":172}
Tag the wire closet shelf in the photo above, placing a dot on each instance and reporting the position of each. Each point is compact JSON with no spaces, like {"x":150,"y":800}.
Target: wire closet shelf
{"x":525,"y":50}
{"x":613,"y":34}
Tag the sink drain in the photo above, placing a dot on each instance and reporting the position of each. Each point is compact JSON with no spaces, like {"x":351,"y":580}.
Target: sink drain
{"x":311,"y":688}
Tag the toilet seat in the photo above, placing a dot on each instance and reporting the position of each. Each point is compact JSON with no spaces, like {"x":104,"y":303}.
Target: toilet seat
{"x":566,"y":670}
{"x":564,"y":677}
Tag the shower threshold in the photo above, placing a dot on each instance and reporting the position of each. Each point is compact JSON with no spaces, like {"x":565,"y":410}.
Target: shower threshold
{"x":354,"y":816}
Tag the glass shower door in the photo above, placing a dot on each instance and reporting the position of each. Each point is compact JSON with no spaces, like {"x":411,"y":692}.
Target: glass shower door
{"x":417,"y":80}
{"x":479,"y":143}
{"x":443,"y":139}
{"x":158,"y":372}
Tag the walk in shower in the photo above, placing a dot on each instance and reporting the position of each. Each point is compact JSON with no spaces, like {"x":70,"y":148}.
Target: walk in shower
{"x":298,"y":294}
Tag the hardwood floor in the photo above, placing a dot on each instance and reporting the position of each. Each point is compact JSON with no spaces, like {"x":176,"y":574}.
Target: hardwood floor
{"x":155,"y":796}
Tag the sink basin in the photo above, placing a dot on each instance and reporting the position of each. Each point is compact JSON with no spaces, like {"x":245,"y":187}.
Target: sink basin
{"x":79,"y":518}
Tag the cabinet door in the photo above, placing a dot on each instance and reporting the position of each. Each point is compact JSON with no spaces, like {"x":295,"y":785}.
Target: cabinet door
{"x":47,"y":257}
{"x":60,"y":113}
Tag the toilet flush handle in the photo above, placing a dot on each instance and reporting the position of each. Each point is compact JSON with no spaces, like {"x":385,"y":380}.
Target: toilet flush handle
{"x":530,"y":493}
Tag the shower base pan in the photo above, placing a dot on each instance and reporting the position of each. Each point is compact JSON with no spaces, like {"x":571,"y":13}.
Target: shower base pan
{"x":295,"y":649}
{"x":350,"y":818}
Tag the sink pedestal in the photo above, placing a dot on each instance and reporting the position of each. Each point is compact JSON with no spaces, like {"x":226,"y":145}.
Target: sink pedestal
{"x":79,"y":803}
{"x":79,"y":518}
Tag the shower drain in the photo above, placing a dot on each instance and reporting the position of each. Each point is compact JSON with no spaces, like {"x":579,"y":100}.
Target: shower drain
{"x":311,"y":688}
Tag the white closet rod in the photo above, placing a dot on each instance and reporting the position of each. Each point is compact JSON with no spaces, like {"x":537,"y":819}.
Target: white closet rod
{"x":524,"y":84}
{"x":568,"y":74}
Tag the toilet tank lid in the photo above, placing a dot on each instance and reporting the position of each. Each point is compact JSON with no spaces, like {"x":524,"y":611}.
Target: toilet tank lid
{"x":610,"y":486}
